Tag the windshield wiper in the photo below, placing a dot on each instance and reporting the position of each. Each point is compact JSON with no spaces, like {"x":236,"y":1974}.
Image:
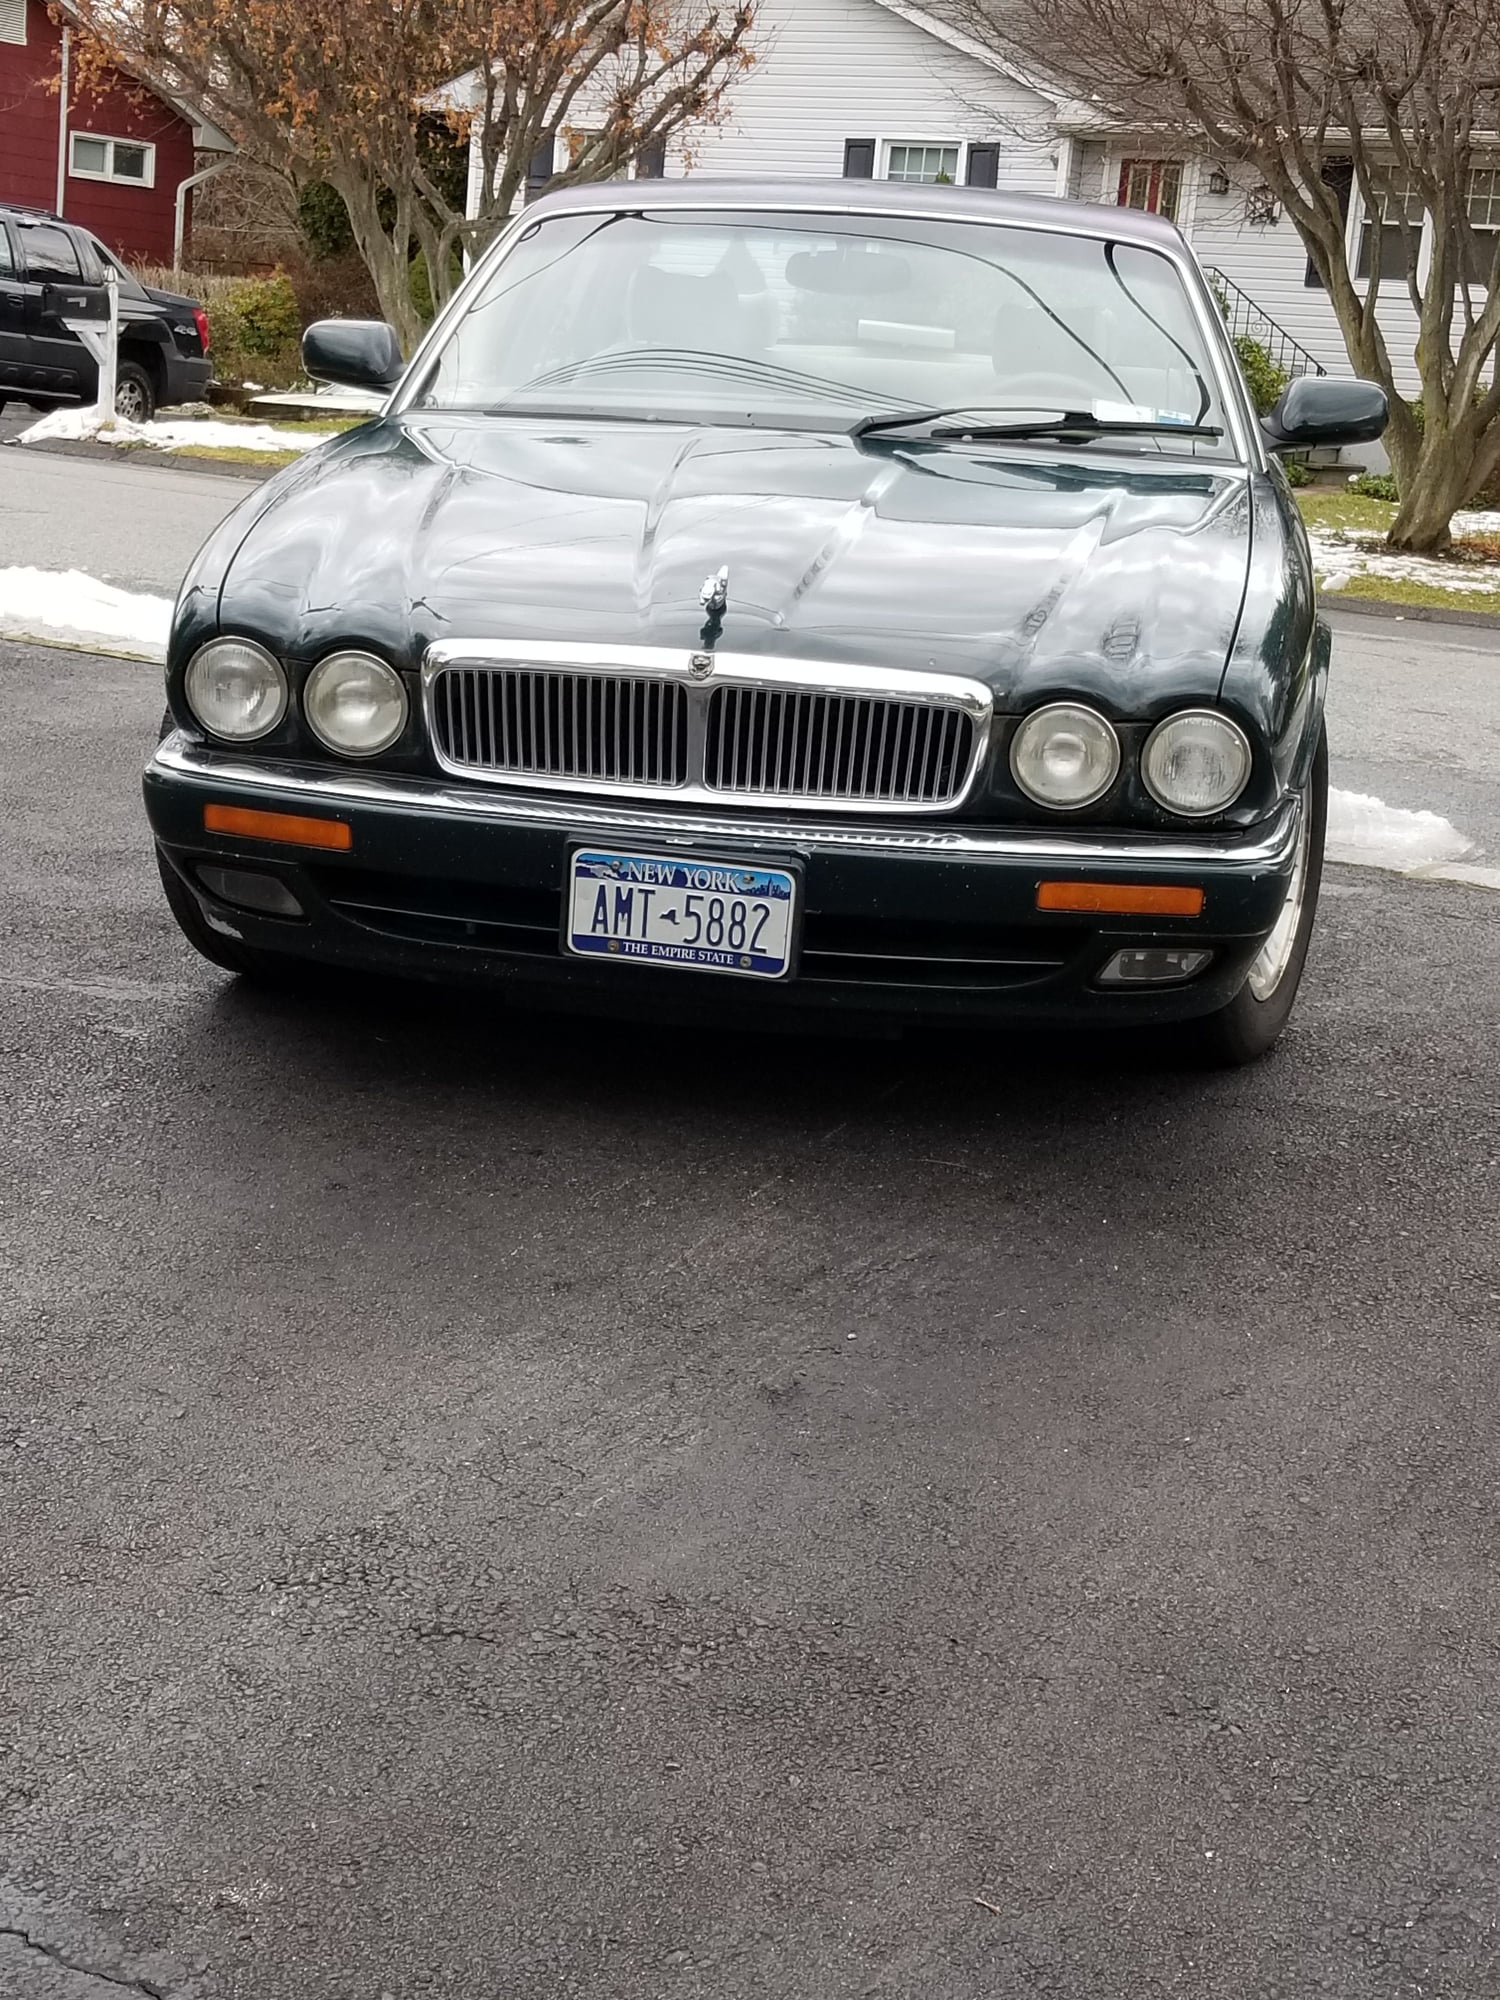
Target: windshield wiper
{"x":1067,"y":423}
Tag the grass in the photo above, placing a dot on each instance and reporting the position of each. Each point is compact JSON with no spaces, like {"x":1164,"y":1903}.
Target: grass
{"x":1331,"y":510}
{"x":1400,"y":590}
{"x":228,"y":454}
{"x":1326,"y":507}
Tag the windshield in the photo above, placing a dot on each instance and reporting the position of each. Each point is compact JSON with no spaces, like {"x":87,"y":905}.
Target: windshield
{"x":817,"y":321}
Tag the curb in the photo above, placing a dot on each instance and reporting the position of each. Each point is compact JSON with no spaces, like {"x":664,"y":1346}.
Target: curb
{"x":1417,"y":614}
{"x":143,"y":454}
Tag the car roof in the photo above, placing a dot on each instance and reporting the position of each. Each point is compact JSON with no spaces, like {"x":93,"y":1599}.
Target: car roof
{"x":871,"y":197}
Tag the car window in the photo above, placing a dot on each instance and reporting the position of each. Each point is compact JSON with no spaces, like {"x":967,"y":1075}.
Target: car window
{"x":818,"y":318}
{"x":130,"y":285}
{"x":50,"y":254}
{"x":7,"y":255}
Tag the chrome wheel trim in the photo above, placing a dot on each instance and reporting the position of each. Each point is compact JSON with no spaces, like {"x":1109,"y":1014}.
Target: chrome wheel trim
{"x":130,"y":403}
{"x":1269,"y":969}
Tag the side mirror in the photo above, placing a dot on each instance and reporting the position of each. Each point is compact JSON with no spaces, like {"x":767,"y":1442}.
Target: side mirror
{"x":1317,"y":410}
{"x":355,"y":353}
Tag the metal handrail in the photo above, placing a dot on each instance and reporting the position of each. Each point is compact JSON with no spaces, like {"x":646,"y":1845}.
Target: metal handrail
{"x":1245,"y":318}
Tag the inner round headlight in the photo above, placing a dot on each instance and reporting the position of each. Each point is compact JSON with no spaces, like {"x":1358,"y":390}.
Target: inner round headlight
{"x":354,"y":704}
{"x":236,"y":689}
{"x":1065,"y":755}
{"x":1196,"y":763}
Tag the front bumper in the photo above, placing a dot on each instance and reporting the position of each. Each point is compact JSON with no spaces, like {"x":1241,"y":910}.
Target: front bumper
{"x":453,"y":882}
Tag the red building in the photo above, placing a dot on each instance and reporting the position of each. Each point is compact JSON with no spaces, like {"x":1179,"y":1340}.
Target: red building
{"x":112,"y":159}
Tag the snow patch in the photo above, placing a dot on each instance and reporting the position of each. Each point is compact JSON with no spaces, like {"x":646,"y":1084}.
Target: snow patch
{"x":76,"y":424}
{"x":1368,"y":833}
{"x":1340,"y":557}
{"x":69,"y":608}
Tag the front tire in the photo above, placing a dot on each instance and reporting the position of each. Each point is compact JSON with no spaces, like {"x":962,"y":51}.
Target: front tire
{"x":1250,"y":1025}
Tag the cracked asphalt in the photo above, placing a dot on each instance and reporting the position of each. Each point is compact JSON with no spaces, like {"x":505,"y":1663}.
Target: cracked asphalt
{"x":498,"y":1508}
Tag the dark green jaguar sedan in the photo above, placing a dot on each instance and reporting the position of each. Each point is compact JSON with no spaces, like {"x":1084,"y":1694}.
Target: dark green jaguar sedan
{"x":757,"y":600}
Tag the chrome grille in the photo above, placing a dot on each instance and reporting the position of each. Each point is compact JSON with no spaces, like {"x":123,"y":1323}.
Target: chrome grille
{"x":792,"y":743}
{"x":648,"y":722}
{"x":529,"y":722}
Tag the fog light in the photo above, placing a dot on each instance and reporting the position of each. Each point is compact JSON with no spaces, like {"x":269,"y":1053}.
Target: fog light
{"x":248,"y":889}
{"x":1153,"y":967}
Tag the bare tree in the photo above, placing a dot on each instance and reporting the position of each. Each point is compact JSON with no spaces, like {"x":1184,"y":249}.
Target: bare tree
{"x":1398,"y":100}
{"x":357,"y":93}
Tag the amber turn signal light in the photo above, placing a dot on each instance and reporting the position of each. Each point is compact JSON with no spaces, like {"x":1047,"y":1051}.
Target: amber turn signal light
{"x":292,"y":828}
{"x":1121,"y":899}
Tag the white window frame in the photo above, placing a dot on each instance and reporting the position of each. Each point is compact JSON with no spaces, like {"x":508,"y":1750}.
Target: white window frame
{"x":1396,"y":287}
{"x":884,"y":147}
{"x":14,"y":41}
{"x":77,"y":173}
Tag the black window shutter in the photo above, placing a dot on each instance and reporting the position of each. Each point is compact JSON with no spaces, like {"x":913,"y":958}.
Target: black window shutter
{"x":859,"y":159}
{"x":540,"y":171}
{"x":651,"y":161}
{"x":1338,"y":176}
{"x":984,"y":166}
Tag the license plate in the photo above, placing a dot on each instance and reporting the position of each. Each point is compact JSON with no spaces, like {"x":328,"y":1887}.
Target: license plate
{"x":667,"y":909}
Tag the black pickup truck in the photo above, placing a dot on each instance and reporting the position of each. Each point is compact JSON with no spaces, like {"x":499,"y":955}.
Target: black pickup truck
{"x":52,"y":271}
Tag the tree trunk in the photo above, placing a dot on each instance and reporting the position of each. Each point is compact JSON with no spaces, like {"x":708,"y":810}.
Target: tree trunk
{"x":386,"y":257}
{"x":1434,"y":483}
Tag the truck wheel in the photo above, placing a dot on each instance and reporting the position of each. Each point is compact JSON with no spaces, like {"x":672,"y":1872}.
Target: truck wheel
{"x":1243,"y":1031}
{"x":135,"y":399}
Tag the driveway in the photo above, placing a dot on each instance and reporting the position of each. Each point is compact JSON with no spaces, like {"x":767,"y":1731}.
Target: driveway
{"x":499,"y":1508}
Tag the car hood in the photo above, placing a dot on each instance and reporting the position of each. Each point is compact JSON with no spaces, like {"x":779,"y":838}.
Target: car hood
{"x":1029,"y":570}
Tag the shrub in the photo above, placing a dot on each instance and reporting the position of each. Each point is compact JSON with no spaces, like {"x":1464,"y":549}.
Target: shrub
{"x":1296,"y":472}
{"x":1263,"y":378}
{"x":421,"y":284}
{"x":265,"y":315}
{"x":1375,"y":486}
{"x":324,"y":221}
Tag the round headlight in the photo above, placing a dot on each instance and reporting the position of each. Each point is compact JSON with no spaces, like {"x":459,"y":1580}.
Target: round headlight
{"x":354,"y":704}
{"x":236,"y":689}
{"x":1065,"y":755}
{"x":1196,"y":763}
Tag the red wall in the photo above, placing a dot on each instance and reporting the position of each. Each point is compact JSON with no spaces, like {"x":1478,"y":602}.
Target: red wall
{"x":136,"y":222}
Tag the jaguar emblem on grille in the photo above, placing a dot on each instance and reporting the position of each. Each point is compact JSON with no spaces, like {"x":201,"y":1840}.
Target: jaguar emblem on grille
{"x":700,"y":666}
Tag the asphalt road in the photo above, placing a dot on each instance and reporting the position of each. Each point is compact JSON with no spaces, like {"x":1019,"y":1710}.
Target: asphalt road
{"x":499,"y":1509}
{"x":136,"y":526}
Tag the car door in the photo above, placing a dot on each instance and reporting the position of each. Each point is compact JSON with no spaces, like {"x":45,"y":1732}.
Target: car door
{"x":56,"y":289}
{"x":12,"y":315}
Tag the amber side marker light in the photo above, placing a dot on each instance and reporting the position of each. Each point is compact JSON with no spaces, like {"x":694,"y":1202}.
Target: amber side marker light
{"x":292,"y":828}
{"x":1120,"y":899}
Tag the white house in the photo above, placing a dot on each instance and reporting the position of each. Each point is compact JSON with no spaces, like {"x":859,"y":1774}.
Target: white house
{"x":895,"y":90}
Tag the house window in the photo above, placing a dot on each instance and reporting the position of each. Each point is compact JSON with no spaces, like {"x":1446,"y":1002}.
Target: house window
{"x":1484,"y":220}
{"x":1152,"y":185}
{"x":925,"y":164}
{"x":1384,"y":242}
{"x":92,"y":158}
{"x":12,"y":20}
